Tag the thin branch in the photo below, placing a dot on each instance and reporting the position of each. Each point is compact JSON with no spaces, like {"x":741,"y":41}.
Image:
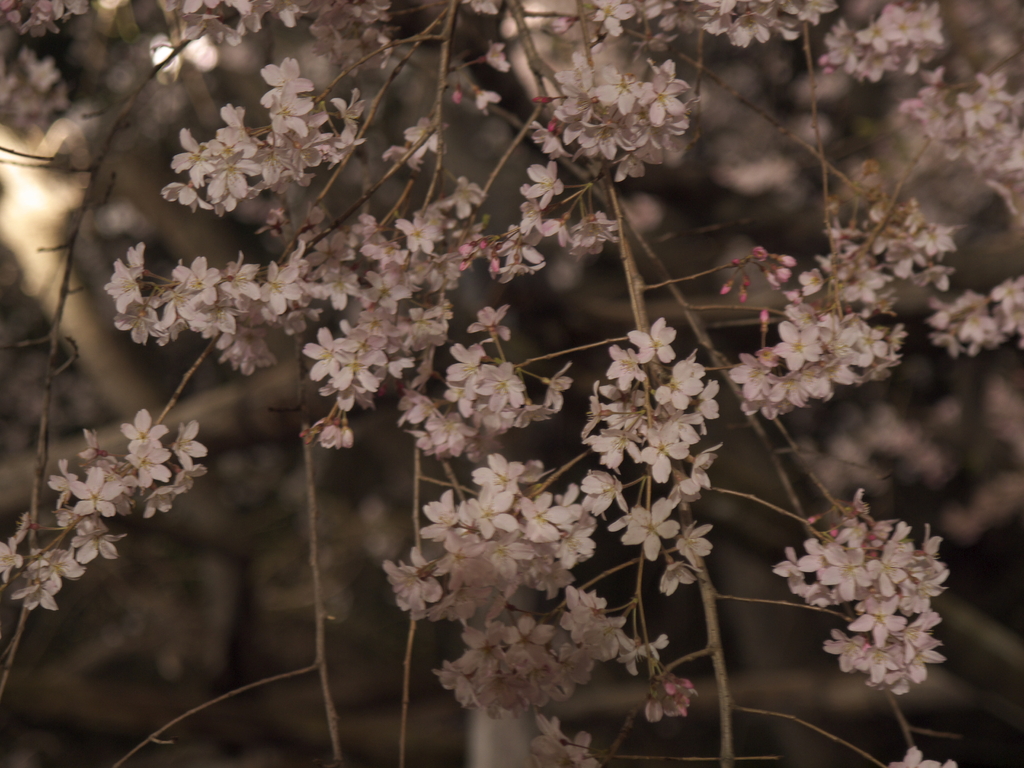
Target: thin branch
{"x":569,"y":351}
{"x":155,"y":735}
{"x":512,"y":147}
{"x":624,"y":731}
{"x":822,"y":731}
{"x":688,"y":658}
{"x":782,"y":602}
{"x":908,"y":736}
{"x":442,"y":85}
{"x":708,"y":594}
{"x":769,"y":505}
{"x":12,"y":648}
{"x":27,"y":156}
{"x":536,"y":491}
{"x":406,"y":677}
{"x":319,"y":609}
{"x":186,"y":378}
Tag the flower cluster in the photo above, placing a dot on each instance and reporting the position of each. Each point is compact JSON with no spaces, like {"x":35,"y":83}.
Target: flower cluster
{"x":983,"y":127}
{"x":280,"y":156}
{"x":618,"y":117}
{"x":818,"y":351}
{"x":511,"y":534}
{"x":745,"y":20}
{"x":344,"y":32}
{"x":974,"y":321}
{"x":894,"y":240}
{"x":514,"y":533}
{"x":485,"y":396}
{"x":230,"y":305}
{"x":876,"y":566}
{"x":31,"y":91}
{"x":654,"y":423}
{"x":904,"y":35}
{"x":37,"y":17}
{"x":150,"y":476}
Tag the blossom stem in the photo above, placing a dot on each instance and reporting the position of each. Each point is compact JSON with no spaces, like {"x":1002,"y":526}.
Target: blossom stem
{"x":822,"y":731}
{"x":720,"y":596}
{"x":185,"y":380}
{"x":155,"y":735}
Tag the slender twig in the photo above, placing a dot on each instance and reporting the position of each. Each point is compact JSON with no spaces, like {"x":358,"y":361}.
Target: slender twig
{"x":782,"y":602}
{"x":708,"y":594}
{"x":688,"y":658}
{"x":407,"y":660}
{"x":822,"y":731}
{"x":536,"y":491}
{"x":155,"y":735}
{"x":908,"y":736}
{"x":769,"y":505}
{"x":459,"y":490}
{"x":512,"y":147}
{"x":319,"y":608}
{"x":817,"y":140}
{"x":186,"y":378}
{"x":624,"y":731}
{"x":27,"y":156}
{"x":442,"y":85}
{"x":571,"y":350}
{"x":540,"y":68}
{"x":705,"y":229}
{"x":406,"y":677}
{"x":694,"y":276}
{"x":12,"y":648}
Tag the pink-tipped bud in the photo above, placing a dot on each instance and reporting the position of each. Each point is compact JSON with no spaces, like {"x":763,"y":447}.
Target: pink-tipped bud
{"x":348,"y":437}
{"x":726,"y":288}
{"x":542,"y":99}
{"x":457,"y":94}
{"x":759,"y":253}
{"x":495,"y":266}
{"x":735,"y":262}
{"x":764,"y":317}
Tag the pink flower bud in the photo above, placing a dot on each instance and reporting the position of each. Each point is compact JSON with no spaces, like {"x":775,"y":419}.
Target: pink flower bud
{"x":457,"y":94}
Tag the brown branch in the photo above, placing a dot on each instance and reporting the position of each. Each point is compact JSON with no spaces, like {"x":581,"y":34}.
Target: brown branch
{"x":186,"y":378}
{"x":155,"y":735}
{"x":822,"y":731}
{"x":769,"y":505}
{"x":406,"y":677}
{"x":708,"y":594}
{"x":319,"y":609}
{"x":782,"y":602}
